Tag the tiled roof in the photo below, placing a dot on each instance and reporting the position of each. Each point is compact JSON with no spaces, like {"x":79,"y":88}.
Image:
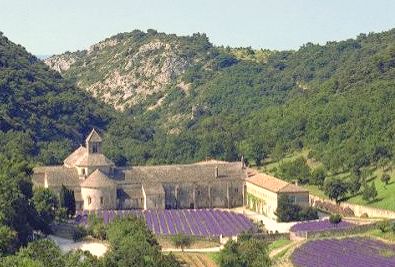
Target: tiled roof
{"x":151,"y":177}
{"x":94,"y":159}
{"x":272,"y":183}
{"x":98,"y":179}
{"x":94,"y":137}
{"x":56,"y":176}
{"x":185,"y":173}
{"x":71,"y":160}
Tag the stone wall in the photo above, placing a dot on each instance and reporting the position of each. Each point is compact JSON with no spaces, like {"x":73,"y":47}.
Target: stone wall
{"x":216,"y":194}
{"x":100,"y":198}
{"x":358,"y":210}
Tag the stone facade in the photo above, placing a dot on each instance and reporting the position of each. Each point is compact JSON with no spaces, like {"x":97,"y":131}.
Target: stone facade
{"x":98,"y":184}
{"x":263,"y":192}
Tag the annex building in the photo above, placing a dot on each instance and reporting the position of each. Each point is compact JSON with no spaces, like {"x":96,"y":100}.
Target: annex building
{"x":99,"y":184}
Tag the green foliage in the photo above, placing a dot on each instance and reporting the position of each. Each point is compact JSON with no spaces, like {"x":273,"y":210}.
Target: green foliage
{"x":385,"y":178}
{"x":181,"y":241}
{"x":133,"y":244}
{"x":287,"y":211}
{"x":16,"y":209}
{"x":318,"y":177}
{"x":384,"y":226}
{"x":41,"y":114}
{"x":67,"y":200}
{"x":7,"y":240}
{"x":251,"y":252}
{"x":44,"y":251}
{"x":46,"y":203}
{"x":96,"y":227}
{"x":335,"y":219}
{"x":369,"y":192}
{"x":295,"y":170}
{"x":336,"y":189}
{"x":80,"y":233}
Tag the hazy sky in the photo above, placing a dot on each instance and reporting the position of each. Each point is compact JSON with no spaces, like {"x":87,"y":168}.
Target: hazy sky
{"x":54,"y":26}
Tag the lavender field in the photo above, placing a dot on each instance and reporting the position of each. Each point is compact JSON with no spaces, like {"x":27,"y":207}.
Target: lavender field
{"x":322,"y":225}
{"x":204,"y":222}
{"x":355,"y":252}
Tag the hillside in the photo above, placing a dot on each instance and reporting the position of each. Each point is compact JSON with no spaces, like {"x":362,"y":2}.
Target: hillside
{"x":128,"y":68}
{"x":42,"y":116}
{"x":336,"y":100}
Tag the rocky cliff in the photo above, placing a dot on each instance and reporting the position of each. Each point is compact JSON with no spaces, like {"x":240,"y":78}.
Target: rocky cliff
{"x":126,"y":69}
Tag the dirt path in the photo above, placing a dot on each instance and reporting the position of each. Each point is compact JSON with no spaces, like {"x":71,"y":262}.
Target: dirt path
{"x":195,"y":259}
{"x":192,"y":250}
{"x":276,"y":251}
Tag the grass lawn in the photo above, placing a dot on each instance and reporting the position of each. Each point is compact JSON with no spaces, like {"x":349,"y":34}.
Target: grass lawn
{"x":390,"y":236}
{"x":278,"y":244}
{"x":214,"y":256}
{"x":385,"y":193}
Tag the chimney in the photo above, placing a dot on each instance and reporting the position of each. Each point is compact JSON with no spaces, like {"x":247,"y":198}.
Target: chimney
{"x":243,"y":164}
{"x":216,"y":171}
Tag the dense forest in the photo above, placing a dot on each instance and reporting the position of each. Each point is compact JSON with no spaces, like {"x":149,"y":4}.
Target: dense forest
{"x":336,"y":100}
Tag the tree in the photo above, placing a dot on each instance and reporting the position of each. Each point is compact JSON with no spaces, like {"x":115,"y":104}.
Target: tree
{"x":296,"y":169}
{"x":287,"y":211}
{"x":384,"y":226}
{"x":385,"y":178}
{"x":44,"y":251}
{"x":318,"y":176}
{"x":249,"y":252}
{"x":335,"y":189}
{"x":369,"y":193}
{"x":46,"y":204}
{"x":181,"y":241}
{"x":67,"y":200}
{"x":335,"y":219}
{"x":7,"y":239}
{"x":354,"y":184}
{"x":133,"y":244}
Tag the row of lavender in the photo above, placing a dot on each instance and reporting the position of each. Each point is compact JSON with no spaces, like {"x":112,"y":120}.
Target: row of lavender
{"x":355,"y":252}
{"x":203,"y":222}
{"x":322,"y":225}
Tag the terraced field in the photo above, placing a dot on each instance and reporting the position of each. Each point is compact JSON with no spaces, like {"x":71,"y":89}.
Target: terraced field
{"x":195,"y":260}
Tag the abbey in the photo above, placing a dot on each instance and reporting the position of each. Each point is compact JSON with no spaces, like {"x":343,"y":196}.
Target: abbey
{"x":99,"y":184}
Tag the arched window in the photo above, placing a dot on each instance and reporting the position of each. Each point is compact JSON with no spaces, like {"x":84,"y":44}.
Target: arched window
{"x":89,"y":200}
{"x":101,"y":200}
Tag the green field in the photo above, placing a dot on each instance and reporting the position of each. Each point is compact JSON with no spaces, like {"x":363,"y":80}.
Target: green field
{"x":386,"y":193}
{"x":278,"y":244}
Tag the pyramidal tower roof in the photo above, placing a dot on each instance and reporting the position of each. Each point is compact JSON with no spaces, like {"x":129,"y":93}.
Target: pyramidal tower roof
{"x":94,"y":137}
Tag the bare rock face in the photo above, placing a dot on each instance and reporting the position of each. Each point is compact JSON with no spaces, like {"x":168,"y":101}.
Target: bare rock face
{"x":60,"y":63}
{"x":124,"y":71}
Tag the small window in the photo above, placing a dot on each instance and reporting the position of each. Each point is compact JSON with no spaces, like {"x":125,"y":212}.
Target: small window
{"x":94,"y":148}
{"x":101,"y":200}
{"x":198,"y":192}
{"x":89,"y":200}
{"x":237,"y":190}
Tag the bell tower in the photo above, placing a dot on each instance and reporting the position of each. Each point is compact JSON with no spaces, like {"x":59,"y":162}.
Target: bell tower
{"x":94,"y":143}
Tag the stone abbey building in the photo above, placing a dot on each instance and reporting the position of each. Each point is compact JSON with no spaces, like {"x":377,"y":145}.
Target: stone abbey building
{"x":99,"y":184}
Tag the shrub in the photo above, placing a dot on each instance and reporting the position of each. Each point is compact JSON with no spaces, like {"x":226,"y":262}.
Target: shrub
{"x":335,"y":219}
{"x":384,"y":226}
{"x":364,"y":215}
{"x":181,"y":241}
{"x":79,"y":233}
{"x":385,"y":178}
